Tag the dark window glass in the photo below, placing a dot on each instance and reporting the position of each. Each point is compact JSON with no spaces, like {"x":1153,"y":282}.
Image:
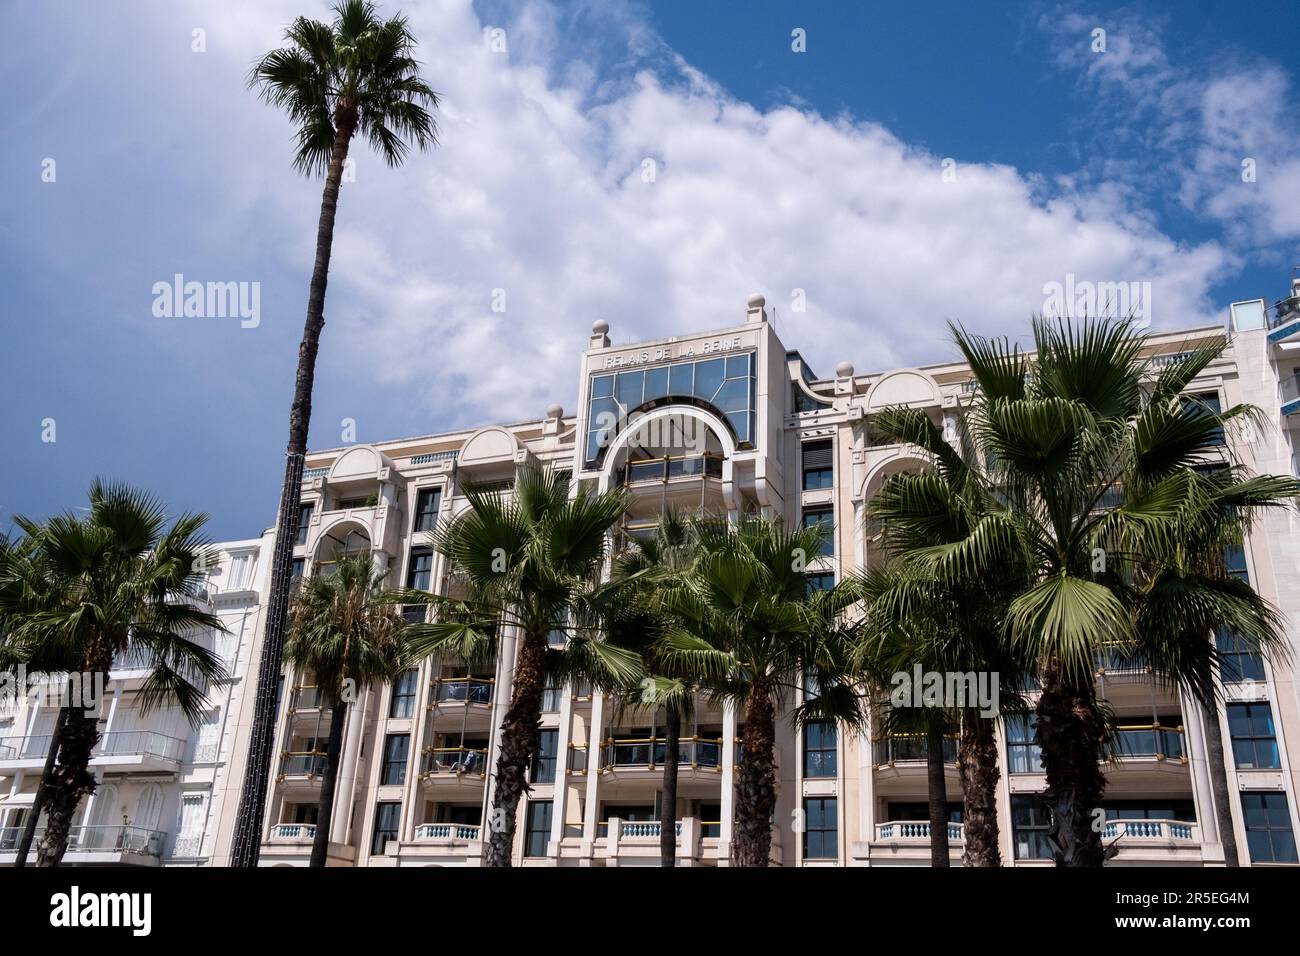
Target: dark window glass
{"x":1234,"y":562}
{"x":426,"y":508}
{"x":544,"y":760}
{"x":821,"y":828}
{"x":304,"y":519}
{"x":387,"y":819}
{"x":818,"y":465}
{"x":1023,"y":755}
{"x":396,"y":750}
{"x":299,"y":566}
{"x":1237,"y":662}
{"x":821,"y":581}
{"x":656,"y":383}
{"x":822,"y":518}
{"x":708,"y":378}
{"x":537,"y":832}
{"x":419,"y":572}
{"x":1254,"y":742}
{"x":681,"y":379}
{"x":403,"y":701}
{"x":1268,"y":828}
{"x":1029,"y":822}
{"x":1203,"y":405}
{"x":1182,"y":810}
{"x":629,"y":388}
{"x":819,"y":749}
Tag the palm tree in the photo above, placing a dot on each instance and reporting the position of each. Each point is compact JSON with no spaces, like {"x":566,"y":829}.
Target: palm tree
{"x":356,"y":75}
{"x":527,"y":565}
{"x":346,"y":631}
{"x":949,"y":628}
{"x":751,"y":628}
{"x":651,"y":567}
{"x":1089,"y":457}
{"x":76,"y":591}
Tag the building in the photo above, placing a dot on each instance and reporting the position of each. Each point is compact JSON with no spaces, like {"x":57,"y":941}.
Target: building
{"x":162,"y":784}
{"x":729,"y":422}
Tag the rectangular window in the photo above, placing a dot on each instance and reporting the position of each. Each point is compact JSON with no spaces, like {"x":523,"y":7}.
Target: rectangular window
{"x":1029,"y":822}
{"x":821,"y":828}
{"x":820,"y":581}
{"x":426,"y":508}
{"x":1234,"y":562}
{"x":1254,"y":741}
{"x":1237,"y":662}
{"x":1023,"y":755}
{"x":819,"y":749}
{"x":387,"y":819}
{"x":304,"y":519}
{"x":403,"y":700}
{"x":397,"y":748}
{"x":544,"y":759}
{"x":1268,"y":828}
{"x":551,"y":694}
{"x":823,"y":518}
{"x":818,"y":465}
{"x":537,"y":831}
{"x":1206,"y":404}
{"x":241,"y":571}
{"x":419,"y":572}
{"x":299,"y":566}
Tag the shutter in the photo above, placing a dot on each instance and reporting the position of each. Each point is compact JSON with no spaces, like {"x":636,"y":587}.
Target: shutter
{"x":817,"y":455}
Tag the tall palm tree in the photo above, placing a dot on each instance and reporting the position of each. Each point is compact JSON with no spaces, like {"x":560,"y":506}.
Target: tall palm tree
{"x":355,"y":75}
{"x":527,"y":564}
{"x":652,"y":567}
{"x":345,"y":630}
{"x":752,"y":629}
{"x":956,"y":627}
{"x":75,"y":592}
{"x":1089,"y":457}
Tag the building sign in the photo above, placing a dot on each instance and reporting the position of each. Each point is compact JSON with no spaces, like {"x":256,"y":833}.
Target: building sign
{"x":675,"y":351}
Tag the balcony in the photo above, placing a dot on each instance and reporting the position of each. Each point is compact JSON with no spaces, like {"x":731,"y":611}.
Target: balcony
{"x":1147,"y":742}
{"x":451,"y":691}
{"x":907,"y":843}
{"x":96,"y":845}
{"x":294,"y":832}
{"x":452,"y":763}
{"x":636,"y":842}
{"x":306,"y":698}
{"x":447,"y":831}
{"x":138,"y":750}
{"x":914,"y":831}
{"x":1289,"y":394}
{"x":908,"y":748}
{"x":24,"y":753}
{"x":1144,"y":842}
{"x":670,"y":468}
{"x":302,"y":765}
{"x":648,"y":753}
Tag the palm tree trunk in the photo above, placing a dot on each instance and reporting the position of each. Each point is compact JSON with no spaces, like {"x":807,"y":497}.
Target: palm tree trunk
{"x":1218,"y":770}
{"x":756,"y":779}
{"x":977,"y":764}
{"x":42,"y":790}
{"x":1070,"y":735}
{"x":937,"y":789}
{"x":252,"y":801}
{"x":519,"y":735}
{"x":668,"y":803}
{"x":320,"y":841}
{"x":69,"y":782}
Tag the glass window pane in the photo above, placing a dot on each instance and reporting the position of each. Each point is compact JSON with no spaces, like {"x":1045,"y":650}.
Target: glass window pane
{"x":629,"y":387}
{"x":738,"y":365}
{"x":602,"y":386}
{"x":708,"y":378}
{"x":656,"y":383}
{"x":733,"y":396}
{"x":681,"y":379}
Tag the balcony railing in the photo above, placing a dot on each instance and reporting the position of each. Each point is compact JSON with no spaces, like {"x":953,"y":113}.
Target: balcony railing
{"x":134,"y":659}
{"x":25,"y":748}
{"x":447,"y":831}
{"x":140,"y":743}
{"x":307,"y":697}
{"x":462,"y":690}
{"x":97,"y":839}
{"x":293,"y":831}
{"x":637,"y":829}
{"x":649,"y":752}
{"x":914,"y":830}
{"x":670,"y":468}
{"x":306,"y":763}
{"x":1144,"y":740}
{"x":1114,"y":659}
{"x":454,"y":760}
{"x":908,"y":748}
{"x":1172,"y":830}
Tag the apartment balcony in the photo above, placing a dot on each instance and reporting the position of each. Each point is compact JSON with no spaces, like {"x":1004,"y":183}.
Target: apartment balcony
{"x":697,"y":757}
{"x":443,"y":844}
{"x":142,"y":750}
{"x":461,"y":693}
{"x":452,"y":767}
{"x":305,"y":766}
{"x":671,"y":469}
{"x":293,"y":832}
{"x":1153,"y":842}
{"x":636,"y":843}
{"x":1289,"y":391}
{"x":448,"y":831}
{"x":95,"y":845}
{"x":899,"y":762}
{"x":908,"y":842}
{"x":24,"y":753}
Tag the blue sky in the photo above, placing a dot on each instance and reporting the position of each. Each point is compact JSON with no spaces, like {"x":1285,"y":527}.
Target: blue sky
{"x":775,"y":171}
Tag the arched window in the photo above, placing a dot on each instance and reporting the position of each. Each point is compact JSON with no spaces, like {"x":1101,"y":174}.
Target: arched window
{"x":148,"y":809}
